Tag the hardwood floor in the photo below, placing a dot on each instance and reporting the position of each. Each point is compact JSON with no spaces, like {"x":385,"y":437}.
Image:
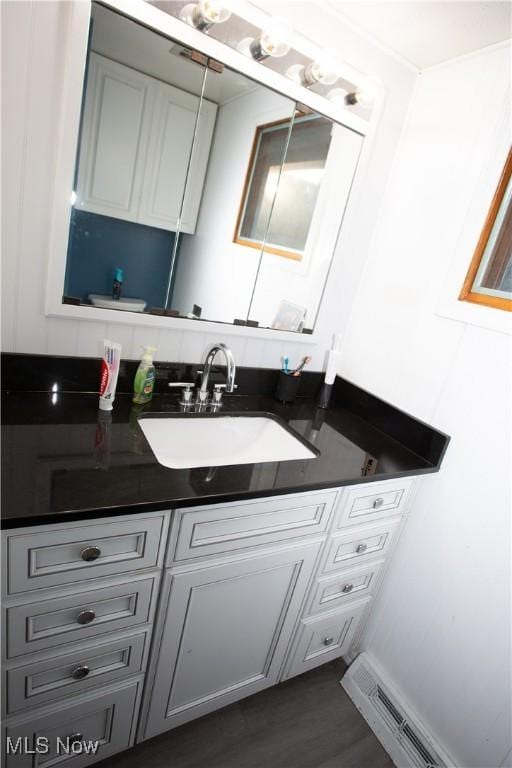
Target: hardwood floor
{"x":306,"y":722}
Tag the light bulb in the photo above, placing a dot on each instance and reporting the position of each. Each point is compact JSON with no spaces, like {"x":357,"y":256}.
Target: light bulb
{"x":272,"y":41}
{"x":296,"y":73}
{"x":204,"y":14}
{"x":325,"y":70}
{"x":337,"y":96}
{"x":365,"y":93}
{"x":214,"y":12}
{"x":274,"y":38}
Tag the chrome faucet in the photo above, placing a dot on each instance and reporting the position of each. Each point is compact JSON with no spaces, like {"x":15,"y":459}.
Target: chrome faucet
{"x":211,"y":351}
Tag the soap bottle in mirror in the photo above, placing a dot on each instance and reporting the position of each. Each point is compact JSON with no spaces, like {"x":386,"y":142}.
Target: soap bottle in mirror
{"x":117,"y":284}
{"x":144,"y":378}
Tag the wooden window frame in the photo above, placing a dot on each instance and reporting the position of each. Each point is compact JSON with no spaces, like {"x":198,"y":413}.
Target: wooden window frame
{"x":262,"y":246}
{"x":243,"y":200}
{"x":467,"y":293}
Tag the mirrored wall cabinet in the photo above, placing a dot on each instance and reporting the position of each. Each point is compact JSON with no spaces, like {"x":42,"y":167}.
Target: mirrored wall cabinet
{"x":205,"y":187}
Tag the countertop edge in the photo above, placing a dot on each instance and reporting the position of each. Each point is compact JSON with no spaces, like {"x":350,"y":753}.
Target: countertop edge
{"x":171,"y":504}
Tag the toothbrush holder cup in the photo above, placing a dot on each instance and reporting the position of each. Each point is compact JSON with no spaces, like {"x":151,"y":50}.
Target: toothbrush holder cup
{"x":287,"y":387}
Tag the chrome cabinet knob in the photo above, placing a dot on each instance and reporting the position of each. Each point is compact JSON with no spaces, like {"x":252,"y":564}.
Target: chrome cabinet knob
{"x":75,"y":738}
{"x":328,"y":640}
{"x":85,"y":617}
{"x":361,"y":548}
{"x":89,"y":554}
{"x":80,"y":672}
{"x":348,"y":588}
{"x":378,"y":503}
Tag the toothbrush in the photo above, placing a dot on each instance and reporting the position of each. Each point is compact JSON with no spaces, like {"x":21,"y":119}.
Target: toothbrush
{"x":299,"y":368}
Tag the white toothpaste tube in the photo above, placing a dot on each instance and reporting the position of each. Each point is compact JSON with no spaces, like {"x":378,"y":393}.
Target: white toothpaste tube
{"x":109,"y":373}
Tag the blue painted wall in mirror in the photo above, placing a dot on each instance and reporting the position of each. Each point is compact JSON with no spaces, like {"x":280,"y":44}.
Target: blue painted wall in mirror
{"x":99,"y":244}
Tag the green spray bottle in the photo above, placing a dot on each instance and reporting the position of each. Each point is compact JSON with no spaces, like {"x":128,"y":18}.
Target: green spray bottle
{"x":145,"y":377}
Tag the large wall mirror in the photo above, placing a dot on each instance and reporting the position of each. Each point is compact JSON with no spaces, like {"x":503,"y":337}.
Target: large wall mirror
{"x":199,"y":192}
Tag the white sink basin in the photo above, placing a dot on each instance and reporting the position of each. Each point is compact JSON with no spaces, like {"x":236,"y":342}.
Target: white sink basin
{"x":107,"y":302}
{"x":183,"y":441}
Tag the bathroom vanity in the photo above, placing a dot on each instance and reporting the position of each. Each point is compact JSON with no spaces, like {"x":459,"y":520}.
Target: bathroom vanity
{"x":138,"y":597}
{"x":140,"y":594}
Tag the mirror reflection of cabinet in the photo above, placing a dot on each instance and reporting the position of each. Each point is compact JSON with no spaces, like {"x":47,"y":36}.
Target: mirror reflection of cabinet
{"x":136,"y":141}
{"x":218,"y":197}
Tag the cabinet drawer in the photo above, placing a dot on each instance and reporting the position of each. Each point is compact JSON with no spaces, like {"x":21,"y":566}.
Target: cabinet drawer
{"x":331,"y":592}
{"x":62,"y":555}
{"x":69,"y":674}
{"x":217,"y":529}
{"x":364,"y":503}
{"x":58,"y":620}
{"x":105,"y":717}
{"x":357,"y":545}
{"x":324,"y":638}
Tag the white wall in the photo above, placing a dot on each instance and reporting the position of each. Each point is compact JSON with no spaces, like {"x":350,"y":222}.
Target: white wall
{"x":442,"y":625}
{"x":34,"y":40}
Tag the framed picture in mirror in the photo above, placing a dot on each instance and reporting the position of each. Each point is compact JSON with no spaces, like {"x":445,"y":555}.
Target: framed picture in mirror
{"x":289,"y":317}
{"x":279,"y":199}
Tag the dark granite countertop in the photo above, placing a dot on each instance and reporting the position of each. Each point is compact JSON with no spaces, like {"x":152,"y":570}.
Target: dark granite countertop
{"x":61,"y":460}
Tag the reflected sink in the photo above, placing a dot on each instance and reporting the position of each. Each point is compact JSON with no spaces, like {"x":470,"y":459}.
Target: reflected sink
{"x":187,"y":440}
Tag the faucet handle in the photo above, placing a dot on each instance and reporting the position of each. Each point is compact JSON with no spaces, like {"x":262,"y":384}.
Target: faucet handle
{"x":220,"y":387}
{"x":202,"y":398}
{"x":187,"y":386}
{"x":218,"y":391}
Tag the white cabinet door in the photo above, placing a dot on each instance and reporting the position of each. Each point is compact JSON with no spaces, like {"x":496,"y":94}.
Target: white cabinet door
{"x":222,"y":529}
{"x":57,"y":621}
{"x":198,"y":166}
{"x":58,"y":676}
{"x":61,"y":554}
{"x":140,"y":144}
{"x":115,"y":132}
{"x":323,"y":638}
{"x":170,"y":147}
{"x":105,"y":716}
{"x":226,"y":632}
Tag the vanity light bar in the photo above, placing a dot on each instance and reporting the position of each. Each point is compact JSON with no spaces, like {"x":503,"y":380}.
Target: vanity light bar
{"x":274,"y":41}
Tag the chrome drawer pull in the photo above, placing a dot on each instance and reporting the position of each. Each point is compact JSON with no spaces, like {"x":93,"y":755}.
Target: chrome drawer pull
{"x":361,"y":548}
{"x":90,"y":553}
{"x":378,"y":503}
{"x":348,"y":588}
{"x":80,"y":672}
{"x":85,"y":617}
{"x":328,"y":640}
